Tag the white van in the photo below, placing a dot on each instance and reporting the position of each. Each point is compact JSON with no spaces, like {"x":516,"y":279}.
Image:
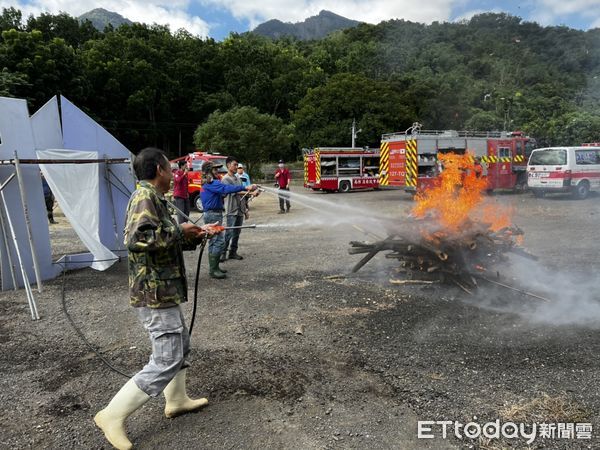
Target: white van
{"x":564,"y":169}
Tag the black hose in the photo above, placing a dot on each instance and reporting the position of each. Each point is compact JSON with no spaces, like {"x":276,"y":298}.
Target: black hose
{"x":82,"y":336}
{"x":196,"y":286}
{"x":78,"y":330}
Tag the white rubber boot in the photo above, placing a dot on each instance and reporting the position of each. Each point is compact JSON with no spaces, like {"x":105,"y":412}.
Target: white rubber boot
{"x":178,"y":402}
{"x":111,"y":420}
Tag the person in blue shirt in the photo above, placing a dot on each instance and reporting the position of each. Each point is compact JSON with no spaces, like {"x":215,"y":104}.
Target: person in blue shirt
{"x":212,"y":203}
{"x":243,"y":176}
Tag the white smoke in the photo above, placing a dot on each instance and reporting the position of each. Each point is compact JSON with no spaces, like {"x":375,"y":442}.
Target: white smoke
{"x":573,"y":298}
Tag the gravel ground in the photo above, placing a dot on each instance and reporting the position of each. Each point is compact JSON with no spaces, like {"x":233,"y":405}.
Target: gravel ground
{"x":373,"y":358}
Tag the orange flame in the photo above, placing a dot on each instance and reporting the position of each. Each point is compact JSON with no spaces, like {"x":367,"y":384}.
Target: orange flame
{"x":457,"y":200}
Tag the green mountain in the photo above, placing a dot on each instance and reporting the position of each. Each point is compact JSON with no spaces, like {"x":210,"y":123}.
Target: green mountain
{"x":315,"y":27}
{"x":100,"y":18}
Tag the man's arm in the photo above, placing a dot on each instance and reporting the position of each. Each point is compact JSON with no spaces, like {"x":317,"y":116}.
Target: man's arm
{"x":145,"y":231}
{"x":218,"y":187}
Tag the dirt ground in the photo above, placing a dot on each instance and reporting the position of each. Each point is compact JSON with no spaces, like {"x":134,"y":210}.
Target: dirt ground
{"x":373,"y":358}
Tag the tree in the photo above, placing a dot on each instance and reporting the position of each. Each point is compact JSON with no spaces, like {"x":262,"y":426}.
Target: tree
{"x":324,"y":117}
{"x":574,"y":128}
{"x":11,"y":19}
{"x":483,"y":121}
{"x":10,"y":82}
{"x":271,"y":76}
{"x":63,"y":26}
{"x":48,"y":67}
{"x":246,"y":133}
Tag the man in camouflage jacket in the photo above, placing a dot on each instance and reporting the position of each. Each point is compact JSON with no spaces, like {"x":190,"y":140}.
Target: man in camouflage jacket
{"x":157,"y":287}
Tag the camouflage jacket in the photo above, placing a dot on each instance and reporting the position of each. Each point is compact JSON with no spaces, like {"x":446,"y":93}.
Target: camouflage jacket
{"x":155,"y":251}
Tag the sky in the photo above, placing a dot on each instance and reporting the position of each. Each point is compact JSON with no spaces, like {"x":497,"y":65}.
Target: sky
{"x":217,"y":18}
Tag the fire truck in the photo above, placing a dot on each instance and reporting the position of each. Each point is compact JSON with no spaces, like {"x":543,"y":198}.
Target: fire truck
{"x":194,"y":162}
{"x":409,"y":159}
{"x":341,"y":169}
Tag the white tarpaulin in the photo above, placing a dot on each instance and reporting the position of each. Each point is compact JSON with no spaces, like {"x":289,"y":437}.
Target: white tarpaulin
{"x":76,"y":188}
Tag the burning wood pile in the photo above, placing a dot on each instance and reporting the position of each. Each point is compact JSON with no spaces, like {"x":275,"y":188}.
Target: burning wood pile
{"x":453,"y":235}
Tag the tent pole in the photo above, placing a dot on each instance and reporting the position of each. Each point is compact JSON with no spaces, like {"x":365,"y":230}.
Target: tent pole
{"x":8,"y":252}
{"x":5,"y":238}
{"x":107,"y":173}
{"x":36,"y":267}
{"x":30,"y":299}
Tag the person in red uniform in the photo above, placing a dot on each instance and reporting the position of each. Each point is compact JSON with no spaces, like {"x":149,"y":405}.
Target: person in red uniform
{"x":282,"y":180}
{"x":180,"y":191}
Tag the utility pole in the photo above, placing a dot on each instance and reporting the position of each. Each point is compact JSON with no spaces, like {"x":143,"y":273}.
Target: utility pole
{"x":179,"y":151}
{"x":354,"y":132}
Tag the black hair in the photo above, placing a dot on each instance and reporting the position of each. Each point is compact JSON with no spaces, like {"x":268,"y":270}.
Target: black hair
{"x":147,"y":160}
{"x":231,"y":159}
{"x":181,"y":163}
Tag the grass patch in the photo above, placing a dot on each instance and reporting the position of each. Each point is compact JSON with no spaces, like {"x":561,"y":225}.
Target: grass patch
{"x":545,"y":409}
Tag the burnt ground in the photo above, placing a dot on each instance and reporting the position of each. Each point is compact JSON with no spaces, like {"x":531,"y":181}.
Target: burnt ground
{"x":374,"y":358}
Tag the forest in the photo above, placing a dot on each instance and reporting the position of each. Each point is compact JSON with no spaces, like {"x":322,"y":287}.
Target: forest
{"x":149,"y":85}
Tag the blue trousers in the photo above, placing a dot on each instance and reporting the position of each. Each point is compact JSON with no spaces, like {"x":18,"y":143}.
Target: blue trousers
{"x":216,"y":245}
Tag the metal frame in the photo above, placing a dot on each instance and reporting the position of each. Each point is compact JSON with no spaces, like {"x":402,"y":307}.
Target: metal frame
{"x":29,"y":292}
{"x":16,"y":162}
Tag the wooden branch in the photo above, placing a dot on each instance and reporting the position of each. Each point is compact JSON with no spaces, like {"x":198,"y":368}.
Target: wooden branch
{"x":408,"y":282}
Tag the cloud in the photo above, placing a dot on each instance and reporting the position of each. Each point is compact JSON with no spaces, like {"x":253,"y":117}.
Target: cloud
{"x":371,"y":11}
{"x":548,"y":12}
{"x":173,"y":13}
{"x":583,"y":7}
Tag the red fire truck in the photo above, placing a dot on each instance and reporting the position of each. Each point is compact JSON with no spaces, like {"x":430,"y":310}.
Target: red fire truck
{"x":341,"y":169}
{"x":409,"y":159}
{"x":195,"y":161}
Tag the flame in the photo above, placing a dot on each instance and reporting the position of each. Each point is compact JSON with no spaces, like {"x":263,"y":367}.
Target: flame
{"x":458,"y":200}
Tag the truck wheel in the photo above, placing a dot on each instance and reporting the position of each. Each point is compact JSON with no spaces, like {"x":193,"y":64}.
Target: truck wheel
{"x":345,"y":186}
{"x":198,"y":204}
{"x":538,"y":193}
{"x":581,"y":191}
{"x":193,"y":197}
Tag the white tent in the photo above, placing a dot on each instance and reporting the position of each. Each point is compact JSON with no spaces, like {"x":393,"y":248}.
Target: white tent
{"x":92,"y":189}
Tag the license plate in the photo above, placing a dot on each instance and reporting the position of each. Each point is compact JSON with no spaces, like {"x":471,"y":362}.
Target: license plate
{"x":539,"y":174}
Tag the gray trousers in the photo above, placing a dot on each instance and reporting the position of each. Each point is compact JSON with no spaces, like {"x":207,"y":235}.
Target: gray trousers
{"x":184,"y":205}
{"x":170,"y":346}
{"x":284,"y":197}
{"x":233,"y":236}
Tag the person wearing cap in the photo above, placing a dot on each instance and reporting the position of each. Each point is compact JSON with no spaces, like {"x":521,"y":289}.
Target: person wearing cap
{"x":212,"y":202}
{"x":242,"y":175}
{"x":282,"y":181}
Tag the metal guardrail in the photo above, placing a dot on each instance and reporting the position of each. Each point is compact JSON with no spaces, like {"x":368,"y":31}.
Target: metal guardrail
{"x":448,"y":134}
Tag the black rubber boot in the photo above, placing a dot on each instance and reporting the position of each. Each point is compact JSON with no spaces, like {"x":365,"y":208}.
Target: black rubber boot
{"x":222,"y":258}
{"x":234,"y":255}
{"x":213,"y":263}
